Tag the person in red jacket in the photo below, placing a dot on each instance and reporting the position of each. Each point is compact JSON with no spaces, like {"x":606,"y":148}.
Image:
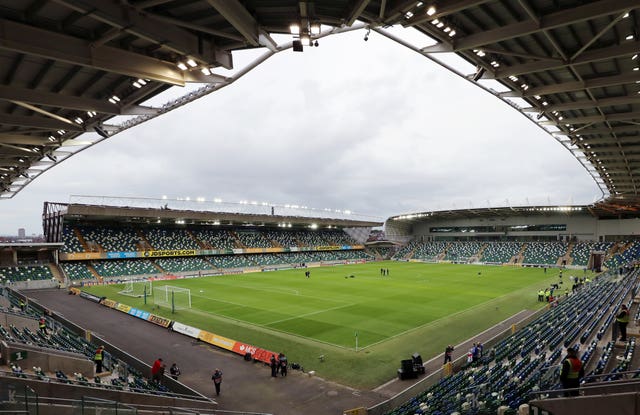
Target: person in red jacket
{"x":156,"y":370}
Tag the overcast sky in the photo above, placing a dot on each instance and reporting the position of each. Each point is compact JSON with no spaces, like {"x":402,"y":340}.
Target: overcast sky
{"x":367,"y":126}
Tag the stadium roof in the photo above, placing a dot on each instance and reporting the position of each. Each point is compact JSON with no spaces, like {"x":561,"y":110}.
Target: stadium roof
{"x":75,"y":72}
{"x":601,"y":210}
{"x":201,"y":212}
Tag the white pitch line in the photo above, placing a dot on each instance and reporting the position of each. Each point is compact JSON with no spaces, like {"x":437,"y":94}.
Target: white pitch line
{"x":308,"y":314}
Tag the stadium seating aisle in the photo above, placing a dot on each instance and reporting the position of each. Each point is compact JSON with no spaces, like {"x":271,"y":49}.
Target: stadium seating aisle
{"x":528,"y":359}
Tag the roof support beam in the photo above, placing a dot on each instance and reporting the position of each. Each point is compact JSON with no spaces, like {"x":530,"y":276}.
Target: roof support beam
{"x":23,"y":139}
{"x":236,"y":14}
{"x":587,"y":103}
{"x":38,"y":122}
{"x":625,"y":49}
{"x":33,"y":41}
{"x":356,"y":11}
{"x":33,"y":96}
{"x":623,"y":116}
{"x":600,"y":131}
{"x":550,"y":21}
{"x":575,"y":86}
{"x":447,"y":8}
{"x":130,"y":20}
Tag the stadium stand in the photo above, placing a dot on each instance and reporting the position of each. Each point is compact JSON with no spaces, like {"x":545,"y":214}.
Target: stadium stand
{"x":110,"y":239}
{"x":124,"y":267}
{"x":528,"y":360}
{"x":543,"y":253}
{"x":501,"y":252}
{"x":462,"y":250}
{"x":77,"y":270}
{"x":25,"y":273}
{"x":169,"y":238}
{"x":216,"y":238}
{"x":253,"y":239}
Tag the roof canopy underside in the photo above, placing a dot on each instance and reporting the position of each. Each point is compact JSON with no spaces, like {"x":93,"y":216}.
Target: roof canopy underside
{"x":70,"y":68}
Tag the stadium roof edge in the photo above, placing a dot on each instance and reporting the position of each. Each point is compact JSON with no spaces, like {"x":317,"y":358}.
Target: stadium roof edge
{"x":607,"y":209}
{"x":150,"y":215}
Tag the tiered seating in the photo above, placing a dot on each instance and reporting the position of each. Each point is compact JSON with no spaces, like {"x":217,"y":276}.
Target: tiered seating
{"x":462,"y":250}
{"x":544,"y":253}
{"x":628,"y":255}
{"x":384,"y":252}
{"x":166,"y":239}
{"x":405,"y":250}
{"x":269,"y":259}
{"x":183,"y":264}
{"x":582,"y":250}
{"x":77,"y":270}
{"x":308,"y":238}
{"x":500,"y":252}
{"x":429,"y":250}
{"x":123,"y":267}
{"x":253,"y":239}
{"x":231,"y":261}
{"x":70,"y":240}
{"x":217,"y":238}
{"x":112,"y":239}
{"x":284,"y":238}
{"x":32,"y":273}
{"x":517,"y":364}
{"x":336,"y":237}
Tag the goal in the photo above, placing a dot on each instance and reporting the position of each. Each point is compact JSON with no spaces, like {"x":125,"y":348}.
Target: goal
{"x":177,"y":298}
{"x":137,"y":288}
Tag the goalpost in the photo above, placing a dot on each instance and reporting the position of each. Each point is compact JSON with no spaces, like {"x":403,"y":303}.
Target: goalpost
{"x":177,"y":298}
{"x":137,"y":288}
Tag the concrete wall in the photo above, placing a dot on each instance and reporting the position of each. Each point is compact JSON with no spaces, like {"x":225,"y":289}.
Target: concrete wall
{"x":48,"y":360}
{"x":61,"y":391}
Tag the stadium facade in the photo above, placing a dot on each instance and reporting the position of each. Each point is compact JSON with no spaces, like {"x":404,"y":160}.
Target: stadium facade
{"x":525,"y":223}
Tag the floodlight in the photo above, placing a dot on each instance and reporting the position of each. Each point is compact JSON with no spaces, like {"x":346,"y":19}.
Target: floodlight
{"x":431,"y":10}
{"x":295,"y":29}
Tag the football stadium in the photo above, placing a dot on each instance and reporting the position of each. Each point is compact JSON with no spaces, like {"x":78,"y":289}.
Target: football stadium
{"x":141,"y":305}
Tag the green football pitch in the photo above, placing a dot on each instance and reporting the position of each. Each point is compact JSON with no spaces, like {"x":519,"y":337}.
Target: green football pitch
{"x":361,"y":322}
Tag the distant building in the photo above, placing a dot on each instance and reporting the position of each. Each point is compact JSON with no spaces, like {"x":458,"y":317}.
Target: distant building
{"x":21,"y":233}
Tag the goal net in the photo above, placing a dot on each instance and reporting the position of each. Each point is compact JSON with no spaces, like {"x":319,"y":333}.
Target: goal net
{"x":137,"y":288}
{"x":177,"y":298}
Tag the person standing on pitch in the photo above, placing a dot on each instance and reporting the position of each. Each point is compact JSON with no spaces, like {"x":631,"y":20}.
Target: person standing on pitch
{"x":217,"y":380}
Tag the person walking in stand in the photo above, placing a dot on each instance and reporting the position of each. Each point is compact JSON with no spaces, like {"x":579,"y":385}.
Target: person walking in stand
{"x":623,"y":319}
{"x":448,"y":354}
{"x":156,"y":370}
{"x":42,"y":324}
{"x":217,"y":380}
{"x":283,"y":364}
{"x":174,"y":371}
{"x":572,"y":371}
{"x":98,"y":358}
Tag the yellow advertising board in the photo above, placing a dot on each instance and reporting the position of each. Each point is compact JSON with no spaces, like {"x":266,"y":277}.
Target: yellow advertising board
{"x":216,"y":340}
{"x":123,"y":307}
{"x":171,"y":252}
{"x":80,"y":256}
